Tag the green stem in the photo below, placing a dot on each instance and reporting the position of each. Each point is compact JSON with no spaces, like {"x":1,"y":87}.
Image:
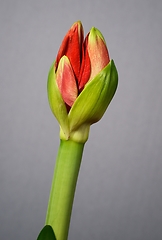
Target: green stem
{"x":63,"y":187}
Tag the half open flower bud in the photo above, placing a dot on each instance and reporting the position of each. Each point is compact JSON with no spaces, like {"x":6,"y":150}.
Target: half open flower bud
{"x":81,"y":82}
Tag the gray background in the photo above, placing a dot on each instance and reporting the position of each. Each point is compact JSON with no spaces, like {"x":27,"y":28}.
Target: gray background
{"x":119,"y":191}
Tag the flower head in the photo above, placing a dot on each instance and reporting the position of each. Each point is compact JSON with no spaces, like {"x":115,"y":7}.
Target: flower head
{"x":82,"y":80}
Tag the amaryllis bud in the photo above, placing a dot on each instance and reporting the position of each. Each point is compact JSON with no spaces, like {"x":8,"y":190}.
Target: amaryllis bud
{"x":81,"y":82}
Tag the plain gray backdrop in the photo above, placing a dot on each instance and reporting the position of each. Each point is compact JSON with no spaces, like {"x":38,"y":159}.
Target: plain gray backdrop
{"x":119,"y":190}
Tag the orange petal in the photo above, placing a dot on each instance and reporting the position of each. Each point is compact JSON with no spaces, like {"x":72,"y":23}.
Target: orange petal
{"x":98,"y":52}
{"x":66,"y":81}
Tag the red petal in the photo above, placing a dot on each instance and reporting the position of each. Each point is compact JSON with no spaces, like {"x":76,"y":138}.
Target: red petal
{"x":66,"y":81}
{"x":85,"y":67}
{"x":71,"y":47}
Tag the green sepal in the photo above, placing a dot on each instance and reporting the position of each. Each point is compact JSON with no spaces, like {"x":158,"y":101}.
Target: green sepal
{"x":56,"y":102}
{"x":93,"y":101}
{"x":46,"y":233}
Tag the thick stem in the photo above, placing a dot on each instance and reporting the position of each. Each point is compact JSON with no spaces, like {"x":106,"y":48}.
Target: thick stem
{"x":63,"y":187}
